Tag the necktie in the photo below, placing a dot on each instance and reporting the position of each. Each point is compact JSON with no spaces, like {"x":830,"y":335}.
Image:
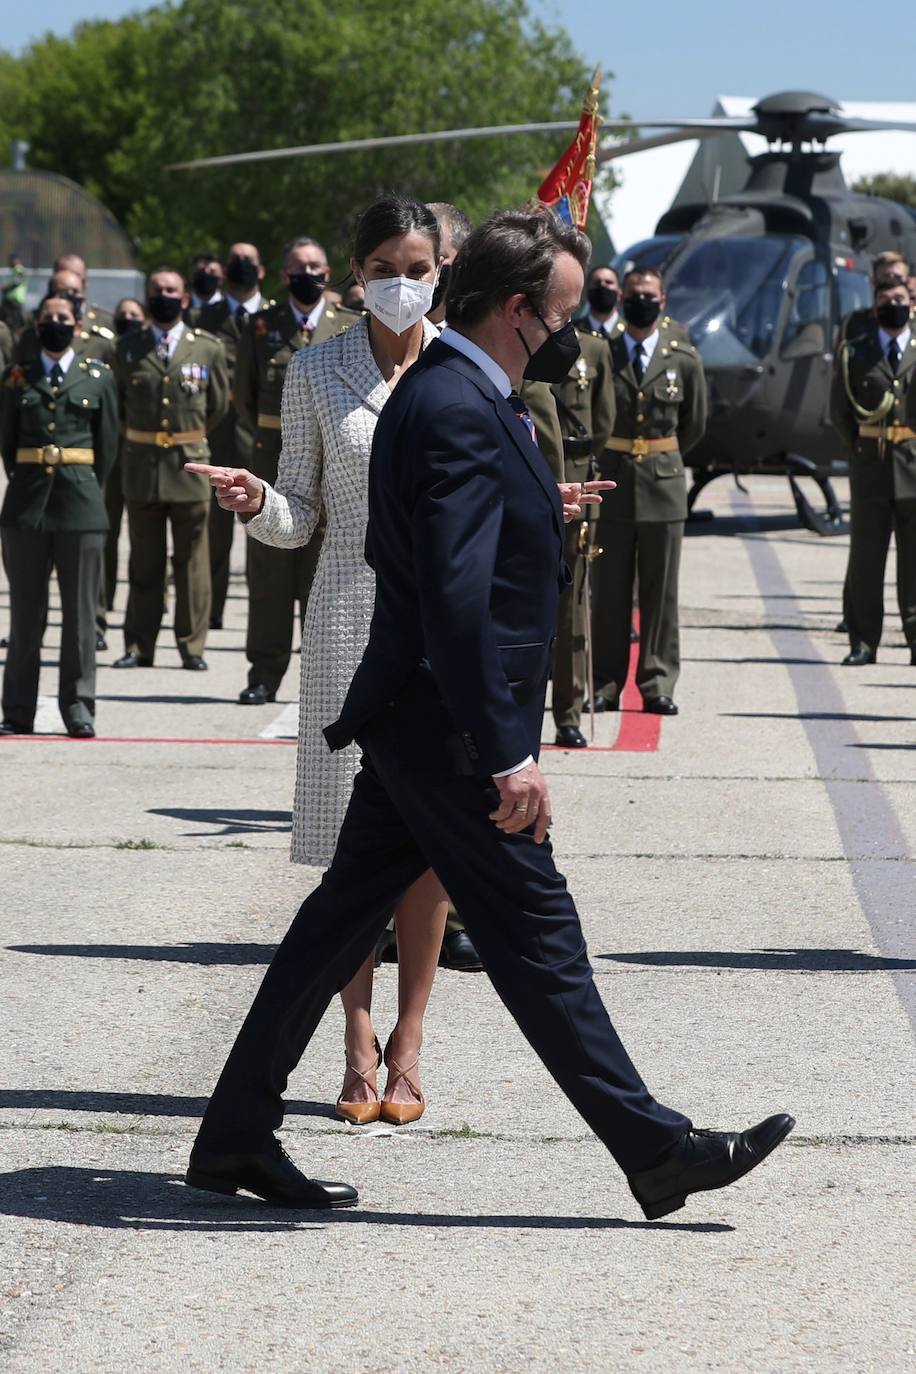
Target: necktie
{"x":241,"y":316}
{"x":521,"y":410}
{"x":893,"y":355}
{"x":57,"y":375}
{"x":639,"y":361}
{"x":162,"y":349}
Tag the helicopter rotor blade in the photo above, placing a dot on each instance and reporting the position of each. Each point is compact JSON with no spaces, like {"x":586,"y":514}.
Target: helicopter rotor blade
{"x":359,"y":144}
{"x":842,"y":125}
{"x":612,"y":151}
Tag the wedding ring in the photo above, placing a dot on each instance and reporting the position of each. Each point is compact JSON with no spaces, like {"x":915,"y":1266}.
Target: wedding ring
{"x":521,"y":807}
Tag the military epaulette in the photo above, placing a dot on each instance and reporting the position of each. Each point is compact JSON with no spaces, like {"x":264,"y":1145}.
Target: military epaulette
{"x":103,"y":331}
{"x":198,"y":333}
{"x":95,"y":365}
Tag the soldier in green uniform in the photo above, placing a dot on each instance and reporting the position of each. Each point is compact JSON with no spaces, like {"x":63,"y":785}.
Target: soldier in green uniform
{"x":279,"y":578}
{"x":92,"y":338}
{"x":602,"y":292}
{"x":873,"y":409}
{"x":173,"y":386}
{"x":231,"y":443}
{"x":58,"y":434}
{"x":661,"y":413}
{"x":586,"y":406}
{"x":92,"y":313}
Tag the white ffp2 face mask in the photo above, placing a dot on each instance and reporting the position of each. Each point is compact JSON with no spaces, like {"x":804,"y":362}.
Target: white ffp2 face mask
{"x":399,"y":301}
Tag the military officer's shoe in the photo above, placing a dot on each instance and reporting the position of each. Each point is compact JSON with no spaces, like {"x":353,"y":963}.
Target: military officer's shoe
{"x":602,"y":704}
{"x":194,"y":663}
{"x":859,"y":655}
{"x":216,"y":623}
{"x":269,"y":1174}
{"x":10,"y":727}
{"x":704,"y":1160}
{"x":101,"y":644}
{"x":913,"y":658}
{"x":458,"y":953}
{"x":660,"y":706}
{"x":568,"y":737}
{"x":132,"y":660}
{"x":81,"y":729}
{"x":256,"y":695}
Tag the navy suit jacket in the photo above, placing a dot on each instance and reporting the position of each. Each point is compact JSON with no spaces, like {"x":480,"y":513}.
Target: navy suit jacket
{"x":465,"y":537}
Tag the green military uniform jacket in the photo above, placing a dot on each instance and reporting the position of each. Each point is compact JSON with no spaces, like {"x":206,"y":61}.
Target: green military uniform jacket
{"x":263,"y":356}
{"x":232,"y":442}
{"x":190,"y":392}
{"x":670,"y":401}
{"x":81,"y":413}
{"x":879,"y":469}
{"x":674,"y":328}
{"x":587,"y":406}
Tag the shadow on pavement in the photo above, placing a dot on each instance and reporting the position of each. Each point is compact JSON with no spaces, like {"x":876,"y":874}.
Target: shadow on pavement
{"x":131,"y":1104}
{"x":768,"y":960}
{"x":200,"y":953}
{"x":132,"y":1200}
{"x":228,"y":822}
{"x":165,"y":700}
{"x":820,"y":715}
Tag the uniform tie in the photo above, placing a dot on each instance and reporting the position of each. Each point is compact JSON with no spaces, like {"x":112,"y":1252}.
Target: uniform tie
{"x":162,"y":349}
{"x":639,"y":361}
{"x":521,"y":410}
{"x":57,"y":374}
{"x":893,"y":355}
{"x":241,"y":316}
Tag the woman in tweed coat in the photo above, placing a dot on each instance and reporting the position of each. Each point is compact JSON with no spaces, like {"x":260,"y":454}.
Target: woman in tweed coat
{"x":333,"y":396}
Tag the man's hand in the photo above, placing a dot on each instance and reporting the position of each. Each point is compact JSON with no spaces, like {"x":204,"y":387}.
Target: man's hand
{"x":524,"y":801}
{"x":236,"y":489}
{"x":575,"y":495}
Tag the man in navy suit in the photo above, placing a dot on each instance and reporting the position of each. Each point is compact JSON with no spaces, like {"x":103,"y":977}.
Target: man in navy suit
{"x":465,"y":537}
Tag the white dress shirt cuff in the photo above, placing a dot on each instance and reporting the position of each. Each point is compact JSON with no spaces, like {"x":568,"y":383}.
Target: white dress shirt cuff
{"x":517,"y":769}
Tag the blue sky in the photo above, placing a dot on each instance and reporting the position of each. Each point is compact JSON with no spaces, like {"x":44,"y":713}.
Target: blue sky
{"x":669,"y":57}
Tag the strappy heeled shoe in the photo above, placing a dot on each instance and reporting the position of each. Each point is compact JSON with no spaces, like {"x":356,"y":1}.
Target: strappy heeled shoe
{"x":401,"y":1113}
{"x":361,"y":1113}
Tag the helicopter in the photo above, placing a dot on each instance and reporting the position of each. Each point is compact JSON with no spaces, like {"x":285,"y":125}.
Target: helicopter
{"x":761,"y":279}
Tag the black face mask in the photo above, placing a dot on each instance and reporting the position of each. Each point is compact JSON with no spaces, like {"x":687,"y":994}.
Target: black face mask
{"x":641,"y":311}
{"x":205,"y":283}
{"x":54,"y":336}
{"x":305,"y":287}
{"x":441,"y":286}
{"x":556,"y":355}
{"x":125,"y":325}
{"x":164,"y":309}
{"x":602,"y":298}
{"x":892,"y":315}
{"x":242,"y":272}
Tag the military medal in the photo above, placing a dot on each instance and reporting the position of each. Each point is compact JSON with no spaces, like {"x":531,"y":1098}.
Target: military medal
{"x":672,"y":387}
{"x":582,"y":374}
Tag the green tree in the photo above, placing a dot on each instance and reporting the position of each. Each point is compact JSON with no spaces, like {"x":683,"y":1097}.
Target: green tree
{"x":891,"y":185}
{"x":115,"y":103}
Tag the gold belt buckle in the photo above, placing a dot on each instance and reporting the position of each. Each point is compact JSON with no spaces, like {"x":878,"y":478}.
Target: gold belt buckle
{"x":51,"y":455}
{"x":163,"y":439}
{"x":640,"y":448}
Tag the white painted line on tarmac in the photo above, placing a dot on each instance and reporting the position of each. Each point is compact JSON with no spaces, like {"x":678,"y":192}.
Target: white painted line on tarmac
{"x":285,"y":725}
{"x":47,"y":717}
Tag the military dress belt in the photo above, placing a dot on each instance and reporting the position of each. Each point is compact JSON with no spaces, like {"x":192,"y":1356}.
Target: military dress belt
{"x":638,"y":448}
{"x":891,"y":434}
{"x":269,"y":422}
{"x":51,"y":455}
{"x":162,"y":438}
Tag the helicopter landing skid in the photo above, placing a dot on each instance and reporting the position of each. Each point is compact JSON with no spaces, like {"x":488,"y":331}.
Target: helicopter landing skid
{"x":827,"y":522}
{"x":701,"y":478}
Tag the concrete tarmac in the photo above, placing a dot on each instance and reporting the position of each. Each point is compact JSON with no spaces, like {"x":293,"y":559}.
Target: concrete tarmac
{"x":747,"y":888}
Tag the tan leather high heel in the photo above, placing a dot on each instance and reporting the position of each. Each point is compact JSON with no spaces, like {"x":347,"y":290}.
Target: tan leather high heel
{"x":401,"y":1113}
{"x":361,"y":1113}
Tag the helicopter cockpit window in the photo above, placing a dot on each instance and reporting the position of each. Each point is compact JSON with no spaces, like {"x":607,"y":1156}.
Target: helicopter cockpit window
{"x":853,"y":291}
{"x":729,"y":292}
{"x":807,"y":327}
{"x":653,"y":252}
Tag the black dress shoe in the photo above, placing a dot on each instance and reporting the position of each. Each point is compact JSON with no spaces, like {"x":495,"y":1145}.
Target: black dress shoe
{"x":101,"y":643}
{"x":4,"y":643}
{"x":704,"y":1160}
{"x":859,"y":655}
{"x":194,"y":663}
{"x":216,"y":623}
{"x":458,"y":953}
{"x":602,"y":704}
{"x":269,"y":1174}
{"x":81,"y":729}
{"x":913,"y":658}
{"x":10,"y":727}
{"x":842,"y":628}
{"x":132,"y":660}
{"x":660,"y":706}
{"x":386,"y":948}
{"x":256,"y":695}
{"x":569,"y":737}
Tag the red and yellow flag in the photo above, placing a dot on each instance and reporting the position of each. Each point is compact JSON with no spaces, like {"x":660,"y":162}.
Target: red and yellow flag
{"x":568,"y":187}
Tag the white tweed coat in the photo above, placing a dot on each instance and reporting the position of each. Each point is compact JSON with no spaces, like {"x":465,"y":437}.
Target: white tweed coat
{"x":333,"y":395}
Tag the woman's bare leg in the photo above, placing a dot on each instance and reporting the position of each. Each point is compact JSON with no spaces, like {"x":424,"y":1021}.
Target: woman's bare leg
{"x":359,"y":1035}
{"x":420,"y":924}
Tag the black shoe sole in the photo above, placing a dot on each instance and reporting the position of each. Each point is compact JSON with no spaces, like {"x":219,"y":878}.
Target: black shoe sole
{"x":654,"y":1210}
{"x":210,"y":1183}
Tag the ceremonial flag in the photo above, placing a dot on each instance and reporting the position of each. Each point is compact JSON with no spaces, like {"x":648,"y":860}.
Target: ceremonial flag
{"x":568,"y":187}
